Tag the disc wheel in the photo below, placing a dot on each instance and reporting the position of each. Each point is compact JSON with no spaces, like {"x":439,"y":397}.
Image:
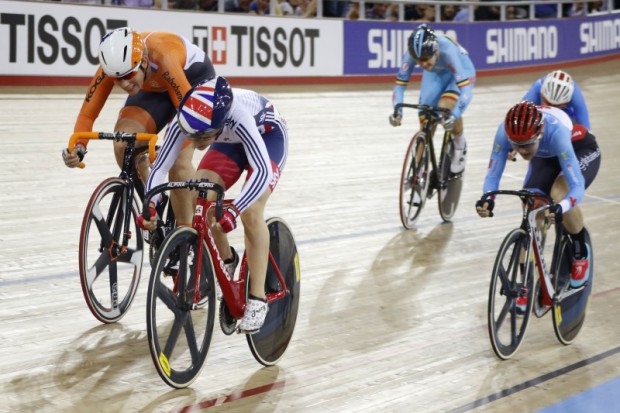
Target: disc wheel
{"x":414,"y":181}
{"x":271,"y":341}
{"x":450,"y":185}
{"x":109,"y":275}
{"x":570,"y":305}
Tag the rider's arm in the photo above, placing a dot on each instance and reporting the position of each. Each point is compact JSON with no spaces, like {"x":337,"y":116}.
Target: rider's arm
{"x":458,"y":60}
{"x":402,"y":79}
{"x":582,"y":116}
{"x":96,"y":96}
{"x":497,"y":163}
{"x":169,"y":52}
{"x":256,"y":151}
{"x":168,"y":153}
{"x":533,"y":94}
{"x":562,"y":147}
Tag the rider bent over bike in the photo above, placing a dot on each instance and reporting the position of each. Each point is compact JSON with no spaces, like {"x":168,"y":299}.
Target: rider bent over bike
{"x":447,"y":81}
{"x":560,"y":166}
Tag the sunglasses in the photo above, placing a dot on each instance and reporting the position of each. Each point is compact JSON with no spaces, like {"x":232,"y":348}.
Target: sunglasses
{"x":212,"y":133}
{"x":527,"y":144}
{"x":128,"y":76}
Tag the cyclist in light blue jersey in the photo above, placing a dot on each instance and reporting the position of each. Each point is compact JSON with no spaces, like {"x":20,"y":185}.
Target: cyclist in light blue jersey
{"x":558,"y":89}
{"x":559,"y":167}
{"x":447,"y":81}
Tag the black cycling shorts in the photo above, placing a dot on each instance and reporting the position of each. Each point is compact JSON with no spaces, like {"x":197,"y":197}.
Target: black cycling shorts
{"x":543,"y":172}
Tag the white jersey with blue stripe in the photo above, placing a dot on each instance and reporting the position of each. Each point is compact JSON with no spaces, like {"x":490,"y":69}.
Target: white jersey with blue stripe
{"x":249,"y":116}
{"x":555,"y":142}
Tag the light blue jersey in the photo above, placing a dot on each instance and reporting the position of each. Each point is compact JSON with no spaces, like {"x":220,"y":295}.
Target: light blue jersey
{"x":555,"y":142}
{"x":576,"y":109}
{"x":453,"y":72}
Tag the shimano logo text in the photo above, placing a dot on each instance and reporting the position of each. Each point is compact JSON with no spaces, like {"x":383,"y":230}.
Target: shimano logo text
{"x":522,"y":44}
{"x":599,"y":36}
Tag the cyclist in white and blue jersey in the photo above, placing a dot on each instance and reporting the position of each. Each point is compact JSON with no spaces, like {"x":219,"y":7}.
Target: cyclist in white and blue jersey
{"x":558,"y":89}
{"x":244,"y":133}
{"x":447,"y":81}
{"x":559,"y":167}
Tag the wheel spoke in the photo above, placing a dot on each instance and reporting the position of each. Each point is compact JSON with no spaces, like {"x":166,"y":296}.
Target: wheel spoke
{"x":102,"y":226}
{"x":180,"y":318}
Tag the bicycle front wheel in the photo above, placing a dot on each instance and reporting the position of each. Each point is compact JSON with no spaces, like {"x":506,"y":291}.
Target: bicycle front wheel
{"x":109,"y":279}
{"x":569,"y":305}
{"x":271,"y":341}
{"x":507,"y":321}
{"x":450,"y":185}
{"x":414,"y":181}
{"x":180,"y":332}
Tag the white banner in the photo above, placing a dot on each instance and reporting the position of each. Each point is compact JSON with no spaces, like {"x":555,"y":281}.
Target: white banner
{"x":47,"y":39}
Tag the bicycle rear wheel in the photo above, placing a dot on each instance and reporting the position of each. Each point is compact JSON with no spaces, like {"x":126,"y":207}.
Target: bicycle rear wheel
{"x":271,"y":341}
{"x":450,"y":185}
{"x":414,"y":181}
{"x":570,"y":305}
{"x":507,"y":325}
{"x":179,"y":334}
{"x":109,"y":282}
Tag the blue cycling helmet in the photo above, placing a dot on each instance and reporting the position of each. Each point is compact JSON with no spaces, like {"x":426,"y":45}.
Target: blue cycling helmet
{"x":205,"y":107}
{"x":422,"y":43}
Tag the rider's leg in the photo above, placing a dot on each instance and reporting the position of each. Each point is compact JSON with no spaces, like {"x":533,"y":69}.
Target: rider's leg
{"x":183,"y":201}
{"x":572,"y":220}
{"x":257,"y":243}
{"x":221,"y":239}
{"x":448,"y":100}
{"x":132,"y":119}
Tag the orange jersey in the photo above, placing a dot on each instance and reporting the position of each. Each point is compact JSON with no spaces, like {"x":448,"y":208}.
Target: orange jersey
{"x":168,"y":56}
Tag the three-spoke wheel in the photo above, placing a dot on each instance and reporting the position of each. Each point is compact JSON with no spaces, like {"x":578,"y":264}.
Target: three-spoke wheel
{"x":109,"y":272}
{"x":414,"y":181}
{"x":507,"y":319}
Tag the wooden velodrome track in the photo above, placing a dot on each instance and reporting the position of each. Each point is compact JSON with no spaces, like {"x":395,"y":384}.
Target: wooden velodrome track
{"x":389,"y":320}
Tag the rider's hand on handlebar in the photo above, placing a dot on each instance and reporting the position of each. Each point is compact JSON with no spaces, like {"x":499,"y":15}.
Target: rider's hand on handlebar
{"x":229,"y":219}
{"x":448,"y":122}
{"x":396,"y":118}
{"x":151,"y":224}
{"x":555,"y":214}
{"x":484,"y":207}
{"x":74,"y":158}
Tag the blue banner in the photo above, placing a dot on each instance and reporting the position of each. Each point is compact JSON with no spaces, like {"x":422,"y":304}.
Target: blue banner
{"x":377,"y":47}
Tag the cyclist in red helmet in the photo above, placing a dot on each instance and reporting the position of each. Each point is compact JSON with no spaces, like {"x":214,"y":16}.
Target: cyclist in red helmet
{"x":558,"y":167}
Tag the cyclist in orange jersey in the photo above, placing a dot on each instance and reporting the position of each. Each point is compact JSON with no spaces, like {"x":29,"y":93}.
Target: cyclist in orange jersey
{"x":156,"y":69}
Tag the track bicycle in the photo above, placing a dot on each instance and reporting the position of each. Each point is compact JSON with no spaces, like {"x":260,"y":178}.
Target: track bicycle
{"x":111,"y":245}
{"x":181,"y":307}
{"x":422,"y":175}
{"x":519,"y":256}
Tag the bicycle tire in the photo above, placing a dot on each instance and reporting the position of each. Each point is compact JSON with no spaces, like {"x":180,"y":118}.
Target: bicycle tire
{"x":569,"y":313}
{"x":414,"y":182}
{"x":269,"y":344}
{"x":506,"y":327}
{"x":449,"y":185}
{"x":109,"y":285}
{"x":177,"y":343}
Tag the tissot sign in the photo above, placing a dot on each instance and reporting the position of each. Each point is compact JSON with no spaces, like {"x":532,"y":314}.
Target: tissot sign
{"x":42,"y":39}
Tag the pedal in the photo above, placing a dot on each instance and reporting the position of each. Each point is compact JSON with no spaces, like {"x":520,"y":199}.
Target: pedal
{"x":227,"y":321}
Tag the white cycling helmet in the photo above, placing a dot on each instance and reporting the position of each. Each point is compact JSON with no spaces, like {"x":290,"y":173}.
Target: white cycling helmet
{"x":120,"y":52}
{"x":557,"y":88}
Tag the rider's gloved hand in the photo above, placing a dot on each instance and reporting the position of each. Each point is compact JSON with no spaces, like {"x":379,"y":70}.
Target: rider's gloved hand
{"x":396,"y":118}
{"x":151,"y":224}
{"x":555,"y":214}
{"x":74,"y":158}
{"x":484,"y":207}
{"x":448,"y":122}
{"x":229,"y":219}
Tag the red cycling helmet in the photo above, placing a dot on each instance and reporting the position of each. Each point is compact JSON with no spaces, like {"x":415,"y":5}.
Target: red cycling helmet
{"x":524,"y":123}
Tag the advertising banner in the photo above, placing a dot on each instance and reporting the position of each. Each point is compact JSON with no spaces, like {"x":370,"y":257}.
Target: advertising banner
{"x":47,"y":39}
{"x":377,"y":48}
